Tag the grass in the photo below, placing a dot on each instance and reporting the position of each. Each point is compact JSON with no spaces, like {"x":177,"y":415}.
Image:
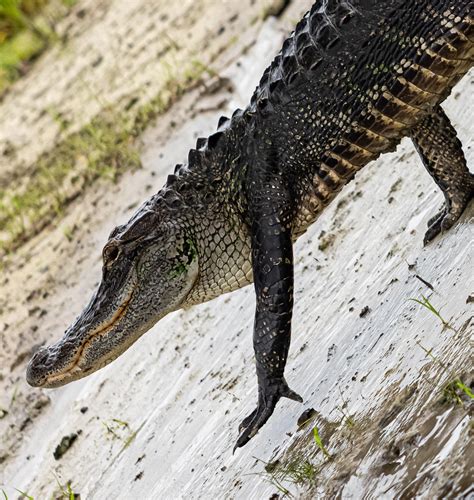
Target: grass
{"x":22,"y":493}
{"x":299,"y":471}
{"x":117,"y":427}
{"x":113,"y":427}
{"x":451,"y":391}
{"x":104,"y":148}
{"x":66,"y":491}
{"x":455,"y":386}
{"x":13,"y":396}
{"x":69,"y":231}
{"x":346,"y":418}
{"x":298,"y":468}
{"x":13,"y":52}
{"x":428,"y":305}
{"x":26,"y":30}
{"x":319,"y":442}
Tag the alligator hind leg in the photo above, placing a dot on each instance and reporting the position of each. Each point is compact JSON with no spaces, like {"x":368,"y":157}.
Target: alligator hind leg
{"x":441,"y":152}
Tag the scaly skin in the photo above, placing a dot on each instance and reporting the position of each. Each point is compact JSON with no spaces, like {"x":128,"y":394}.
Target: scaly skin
{"x":352,"y":80}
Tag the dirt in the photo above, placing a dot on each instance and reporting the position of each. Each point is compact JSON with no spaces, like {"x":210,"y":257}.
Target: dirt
{"x":161,"y":421}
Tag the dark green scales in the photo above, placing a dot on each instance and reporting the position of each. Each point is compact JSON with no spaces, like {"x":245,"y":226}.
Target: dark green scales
{"x":353,"y":79}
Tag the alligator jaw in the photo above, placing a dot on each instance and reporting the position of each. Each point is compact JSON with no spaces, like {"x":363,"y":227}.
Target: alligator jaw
{"x":47,"y":371}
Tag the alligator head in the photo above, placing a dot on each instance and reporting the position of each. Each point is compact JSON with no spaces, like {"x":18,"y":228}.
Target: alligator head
{"x":149,"y":267}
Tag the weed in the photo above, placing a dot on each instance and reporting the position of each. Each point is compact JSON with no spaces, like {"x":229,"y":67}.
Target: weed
{"x":319,"y":442}
{"x":127,"y":442}
{"x":14,"y":396}
{"x":349,"y":421}
{"x":113,"y":427}
{"x":103,"y":148}
{"x":428,"y":305}
{"x":70,"y":494}
{"x":22,"y":493}
{"x":116,"y":428}
{"x":120,"y":422}
{"x":68,"y":232}
{"x":342,"y":409}
{"x":58,"y":118}
{"x":299,"y":471}
{"x":197,"y":67}
{"x":451,"y":391}
{"x":66,"y":491}
{"x":455,"y":384}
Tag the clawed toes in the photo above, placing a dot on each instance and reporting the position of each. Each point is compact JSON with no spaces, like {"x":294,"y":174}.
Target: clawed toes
{"x":288,"y":393}
{"x":437,"y":218}
{"x":432,"y":232}
{"x":434,"y":227}
{"x":268,"y":398}
{"x":441,"y":224}
{"x":253,"y":423}
{"x":247,"y":421}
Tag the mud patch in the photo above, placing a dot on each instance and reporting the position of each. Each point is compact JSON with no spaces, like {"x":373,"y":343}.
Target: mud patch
{"x":405,"y":461}
{"x":64,"y":445}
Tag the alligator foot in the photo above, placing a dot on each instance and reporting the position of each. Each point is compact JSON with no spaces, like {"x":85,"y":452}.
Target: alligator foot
{"x":443,"y":221}
{"x":435,"y":226}
{"x":269,"y":395}
{"x":441,"y":153}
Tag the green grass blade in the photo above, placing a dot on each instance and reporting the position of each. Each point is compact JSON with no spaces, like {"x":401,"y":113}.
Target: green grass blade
{"x":464,"y":388}
{"x":24,"y":494}
{"x":319,"y":442}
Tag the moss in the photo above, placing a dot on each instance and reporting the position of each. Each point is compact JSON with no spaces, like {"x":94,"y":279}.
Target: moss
{"x":104,"y":148}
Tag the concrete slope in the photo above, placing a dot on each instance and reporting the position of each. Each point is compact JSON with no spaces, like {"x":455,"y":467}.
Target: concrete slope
{"x":371,"y":363}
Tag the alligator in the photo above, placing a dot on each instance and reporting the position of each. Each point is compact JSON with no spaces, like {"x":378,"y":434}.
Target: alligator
{"x":352,"y":80}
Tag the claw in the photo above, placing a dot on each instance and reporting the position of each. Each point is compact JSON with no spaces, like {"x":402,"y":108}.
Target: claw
{"x":247,"y":420}
{"x":439,"y":224}
{"x":434,"y":226}
{"x":292,"y":395}
{"x":431,"y":234}
{"x":269,"y":395}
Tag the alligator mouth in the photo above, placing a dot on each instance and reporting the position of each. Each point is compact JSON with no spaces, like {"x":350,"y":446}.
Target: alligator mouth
{"x":55,"y":380}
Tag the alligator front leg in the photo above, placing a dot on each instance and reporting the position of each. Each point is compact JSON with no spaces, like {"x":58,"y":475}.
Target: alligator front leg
{"x":272,"y":261}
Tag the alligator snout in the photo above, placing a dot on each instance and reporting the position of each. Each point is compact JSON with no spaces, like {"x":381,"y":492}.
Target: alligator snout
{"x":54,"y":365}
{"x":38,"y":367}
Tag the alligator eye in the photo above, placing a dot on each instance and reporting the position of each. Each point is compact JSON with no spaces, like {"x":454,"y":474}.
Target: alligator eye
{"x":110,"y":254}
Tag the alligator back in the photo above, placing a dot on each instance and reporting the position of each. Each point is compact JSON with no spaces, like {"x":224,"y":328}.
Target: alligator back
{"x":350,"y":82}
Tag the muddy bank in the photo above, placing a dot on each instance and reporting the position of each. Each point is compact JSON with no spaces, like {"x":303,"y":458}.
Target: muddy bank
{"x":161,"y":421}
{"x":75,"y":116}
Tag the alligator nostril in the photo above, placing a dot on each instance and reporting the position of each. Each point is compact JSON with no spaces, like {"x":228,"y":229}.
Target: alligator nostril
{"x":40,"y":356}
{"x":36,"y":367}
